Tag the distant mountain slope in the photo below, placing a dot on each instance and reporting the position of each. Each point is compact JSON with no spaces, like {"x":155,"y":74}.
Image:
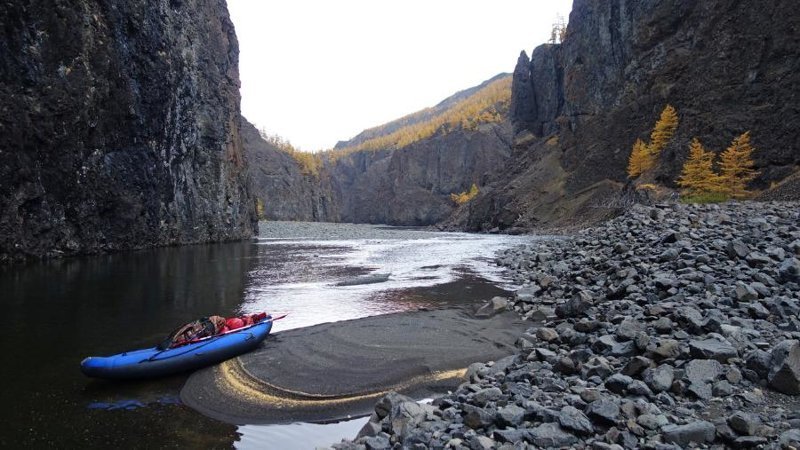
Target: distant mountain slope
{"x":419,"y":116}
{"x":403,"y":172}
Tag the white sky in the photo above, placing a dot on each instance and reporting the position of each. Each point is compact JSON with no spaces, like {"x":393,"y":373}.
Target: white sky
{"x":316,"y":72}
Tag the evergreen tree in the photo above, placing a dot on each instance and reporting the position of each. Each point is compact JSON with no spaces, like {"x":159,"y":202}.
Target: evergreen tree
{"x":664,"y":130}
{"x":640,"y":160}
{"x":736,"y":167}
{"x":698,"y":176}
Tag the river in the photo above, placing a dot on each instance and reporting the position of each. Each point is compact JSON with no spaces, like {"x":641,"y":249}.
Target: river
{"x":58,"y":312}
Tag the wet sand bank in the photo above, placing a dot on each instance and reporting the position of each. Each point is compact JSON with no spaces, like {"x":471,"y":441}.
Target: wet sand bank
{"x":336,"y":370}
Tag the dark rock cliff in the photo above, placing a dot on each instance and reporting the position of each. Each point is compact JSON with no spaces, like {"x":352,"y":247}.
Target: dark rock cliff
{"x":119,"y":126}
{"x":728,"y":66}
{"x":279,"y":182}
{"x":412,"y":185}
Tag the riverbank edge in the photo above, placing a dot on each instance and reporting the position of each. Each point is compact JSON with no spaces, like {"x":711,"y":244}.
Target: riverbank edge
{"x":337,"y":370}
{"x":668,"y":326}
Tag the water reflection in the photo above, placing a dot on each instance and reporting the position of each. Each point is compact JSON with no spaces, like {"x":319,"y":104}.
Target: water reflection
{"x":58,"y":312}
{"x":61,"y":311}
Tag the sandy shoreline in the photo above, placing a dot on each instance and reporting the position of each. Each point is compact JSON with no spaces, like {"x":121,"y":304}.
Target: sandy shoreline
{"x":338,"y":370}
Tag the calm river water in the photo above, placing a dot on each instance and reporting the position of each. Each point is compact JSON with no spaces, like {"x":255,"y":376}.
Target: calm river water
{"x":58,"y":312}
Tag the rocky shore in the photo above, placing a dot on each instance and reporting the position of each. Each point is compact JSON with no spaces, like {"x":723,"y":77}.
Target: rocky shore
{"x":668,"y":327}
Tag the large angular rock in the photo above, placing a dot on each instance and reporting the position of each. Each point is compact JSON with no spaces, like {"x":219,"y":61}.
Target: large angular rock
{"x":484,"y":396}
{"x":511,"y":435}
{"x":604,"y":410}
{"x":784,"y":375}
{"x":511,"y":415}
{"x":481,"y":443}
{"x":390,"y":402}
{"x":573,"y":419}
{"x":478,"y":417}
{"x":702,"y":370}
{"x":790,"y":438}
{"x":576,"y":306}
{"x":551,"y":435}
{"x":716,"y":349}
{"x":789,"y":270}
{"x":737,"y":249}
{"x":660,"y":378}
{"x":699,"y":432}
{"x":492,"y":307}
{"x":744,"y":423}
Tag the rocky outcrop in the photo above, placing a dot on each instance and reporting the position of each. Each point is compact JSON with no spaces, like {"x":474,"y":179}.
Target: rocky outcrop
{"x":278,"y":181}
{"x":412,"y":185}
{"x":580,"y":105}
{"x":119,"y":127}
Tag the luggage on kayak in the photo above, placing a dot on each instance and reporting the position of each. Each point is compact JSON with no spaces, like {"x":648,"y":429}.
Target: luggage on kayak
{"x":181,"y":356}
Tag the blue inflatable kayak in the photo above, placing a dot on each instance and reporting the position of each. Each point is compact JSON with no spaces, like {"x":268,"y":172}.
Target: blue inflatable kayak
{"x":152,"y":362}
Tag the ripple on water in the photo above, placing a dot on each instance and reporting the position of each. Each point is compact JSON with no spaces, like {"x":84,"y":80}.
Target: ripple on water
{"x":300,"y":263}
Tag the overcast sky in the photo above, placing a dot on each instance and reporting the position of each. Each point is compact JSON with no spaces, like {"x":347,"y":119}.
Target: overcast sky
{"x":316,"y":71}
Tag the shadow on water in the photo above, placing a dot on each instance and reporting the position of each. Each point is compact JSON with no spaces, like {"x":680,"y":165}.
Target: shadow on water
{"x":58,"y":312}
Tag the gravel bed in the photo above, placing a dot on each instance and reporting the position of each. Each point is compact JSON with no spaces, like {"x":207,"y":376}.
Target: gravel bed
{"x":671,"y":326}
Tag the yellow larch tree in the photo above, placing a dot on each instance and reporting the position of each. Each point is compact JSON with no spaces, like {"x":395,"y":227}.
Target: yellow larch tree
{"x":464,"y":197}
{"x":664,"y":130}
{"x":736,"y":167}
{"x":698,"y":176}
{"x":640,"y":160}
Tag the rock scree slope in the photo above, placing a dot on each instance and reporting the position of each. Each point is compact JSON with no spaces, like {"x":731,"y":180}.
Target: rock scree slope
{"x":119,"y":127}
{"x":668,"y":327}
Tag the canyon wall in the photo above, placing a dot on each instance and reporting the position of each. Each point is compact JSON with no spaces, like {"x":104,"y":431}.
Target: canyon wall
{"x":727,"y":66}
{"x":119,"y":127}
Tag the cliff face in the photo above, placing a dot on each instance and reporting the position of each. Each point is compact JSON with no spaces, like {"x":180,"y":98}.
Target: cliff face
{"x":119,"y":127}
{"x":278,"y":181}
{"x":727,"y":66}
{"x":412,"y":185}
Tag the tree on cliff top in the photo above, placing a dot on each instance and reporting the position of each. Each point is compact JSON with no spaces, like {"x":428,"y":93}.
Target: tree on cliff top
{"x":640,"y":160}
{"x":698,"y":176}
{"x":664,"y":130}
{"x":736,"y":167}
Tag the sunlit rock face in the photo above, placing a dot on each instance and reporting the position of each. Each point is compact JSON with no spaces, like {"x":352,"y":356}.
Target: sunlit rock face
{"x":726,"y":66}
{"x":412,"y":185}
{"x":283,"y":189}
{"x":119,"y":127}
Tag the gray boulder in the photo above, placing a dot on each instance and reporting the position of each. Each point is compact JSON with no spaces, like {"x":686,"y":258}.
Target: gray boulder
{"x":551,"y":435}
{"x":492,"y":307}
{"x":717,"y":349}
{"x":699,"y":432}
{"x":573,"y":419}
{"x":577,"y":305}
{"x":789,"y":270}
{"x":660,"y":378}
{"x":784,"y":375}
